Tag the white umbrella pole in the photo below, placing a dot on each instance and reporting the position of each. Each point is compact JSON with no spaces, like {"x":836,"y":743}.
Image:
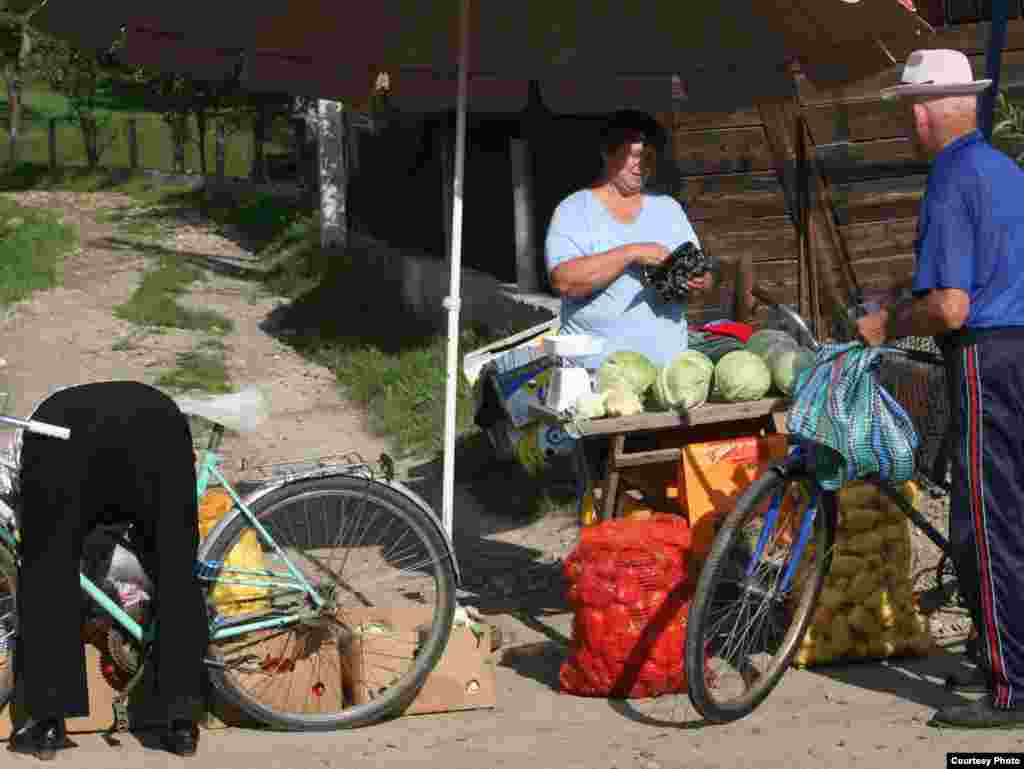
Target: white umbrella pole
{"x":453,"y":301}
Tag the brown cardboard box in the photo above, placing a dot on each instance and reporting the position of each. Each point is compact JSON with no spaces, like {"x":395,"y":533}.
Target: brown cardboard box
{"x":101,"y":699}
{"x":464,"y":678}
{"x":101,"y":710}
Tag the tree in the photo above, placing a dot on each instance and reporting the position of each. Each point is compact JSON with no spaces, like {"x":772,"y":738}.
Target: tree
{"x":15,"y":49}
{"x":76,"y":74}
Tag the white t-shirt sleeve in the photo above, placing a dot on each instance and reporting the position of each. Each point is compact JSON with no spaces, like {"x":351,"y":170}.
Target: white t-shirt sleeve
{"x":566,"y":233}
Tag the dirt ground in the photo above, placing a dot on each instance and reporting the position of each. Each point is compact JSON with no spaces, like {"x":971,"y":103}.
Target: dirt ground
{"x":869,"y":715}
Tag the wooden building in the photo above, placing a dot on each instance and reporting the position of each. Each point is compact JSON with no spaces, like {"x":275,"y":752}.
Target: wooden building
{"x":865,"y":185}
{"x":737,"y":175}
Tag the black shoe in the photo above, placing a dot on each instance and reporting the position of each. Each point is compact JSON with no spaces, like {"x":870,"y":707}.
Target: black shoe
{"x":181,"y":738}
{"x":977,"y":681}
{"x":41,"y":738}
{"x":981,"y":714}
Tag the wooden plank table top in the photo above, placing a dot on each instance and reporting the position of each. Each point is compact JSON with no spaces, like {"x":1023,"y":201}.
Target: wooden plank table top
{"x":770,"y":411}
{"x":709,"y":413}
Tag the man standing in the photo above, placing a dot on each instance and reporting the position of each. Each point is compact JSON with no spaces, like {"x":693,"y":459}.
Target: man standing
{"x":969,"y":293}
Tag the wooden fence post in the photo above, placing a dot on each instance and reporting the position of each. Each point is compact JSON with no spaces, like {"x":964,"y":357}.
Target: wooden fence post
{"x":133,"y":144}
{"x":53,"y":144}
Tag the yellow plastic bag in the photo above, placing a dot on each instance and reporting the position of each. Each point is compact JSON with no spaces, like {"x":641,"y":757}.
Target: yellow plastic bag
{"x":213,"y":505}
{"x":245,"y":558}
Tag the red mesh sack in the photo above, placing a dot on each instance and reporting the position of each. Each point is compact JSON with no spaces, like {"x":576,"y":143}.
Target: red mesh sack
{"x":628,"y":585}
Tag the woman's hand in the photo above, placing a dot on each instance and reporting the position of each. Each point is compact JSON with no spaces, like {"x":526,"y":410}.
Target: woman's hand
{"x":700,"y":284}
{"x":650,"y":254}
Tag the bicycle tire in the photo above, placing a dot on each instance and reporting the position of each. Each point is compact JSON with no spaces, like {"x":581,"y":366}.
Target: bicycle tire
{"x":716,"y":572}
{"x":8,"y":617}
{"x":401,"y":692}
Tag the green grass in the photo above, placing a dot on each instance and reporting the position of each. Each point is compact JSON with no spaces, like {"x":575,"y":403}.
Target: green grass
{"x":32,"y":245}
{"x":201,"y":369}
{"x":154,"y":302}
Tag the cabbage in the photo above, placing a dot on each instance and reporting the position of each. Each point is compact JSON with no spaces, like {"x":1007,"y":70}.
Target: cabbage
{"x":633,"y":370}
{"x":760,"y":342}
{"x":742,"y":376}
{"x":684,"y":382}
{"x":787,"y":366}
{"x":623,"y":403}
{"x":591,"y":405}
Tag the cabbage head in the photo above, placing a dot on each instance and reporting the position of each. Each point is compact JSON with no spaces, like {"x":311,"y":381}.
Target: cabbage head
{"x":684,"y":383}
{"x":592,"y":405}
{"x":760,"y":342}
{"x":633,"y":370}
{"x":788,"y":365}
{"x":623,"y":403}
{"x":742,"y":376}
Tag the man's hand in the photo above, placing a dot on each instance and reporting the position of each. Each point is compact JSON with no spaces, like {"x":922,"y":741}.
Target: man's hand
{"x":700,"y":284}
{"x":872,"y":329}
{"x":650,"y":254}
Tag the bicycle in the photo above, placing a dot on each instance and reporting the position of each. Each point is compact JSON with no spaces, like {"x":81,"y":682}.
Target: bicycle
{"x":306,"y":631}
{"x":741,"y":575}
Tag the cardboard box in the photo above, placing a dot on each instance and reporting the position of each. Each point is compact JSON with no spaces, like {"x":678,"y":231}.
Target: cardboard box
{"x":101,"y":702}
{"x":336,"y":676}
{"x":464,"y":678}
{"x":714,"y":474}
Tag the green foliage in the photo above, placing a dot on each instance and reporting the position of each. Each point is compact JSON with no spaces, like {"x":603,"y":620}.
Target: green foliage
{"x":1008,"y":127}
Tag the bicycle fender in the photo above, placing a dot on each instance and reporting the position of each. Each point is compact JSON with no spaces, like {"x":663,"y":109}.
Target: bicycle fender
{"x":254,"y":495}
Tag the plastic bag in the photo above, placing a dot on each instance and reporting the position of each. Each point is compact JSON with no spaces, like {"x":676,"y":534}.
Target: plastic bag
{"x":230,"y":594}
{"x":850,"y":425}
{"x":244,"y":564}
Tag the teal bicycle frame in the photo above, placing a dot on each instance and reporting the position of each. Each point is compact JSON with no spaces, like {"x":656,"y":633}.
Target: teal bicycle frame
{"x":293,"y":580}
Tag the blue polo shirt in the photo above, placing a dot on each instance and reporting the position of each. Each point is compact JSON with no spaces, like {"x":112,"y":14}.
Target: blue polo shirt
{"x":971,"y":231}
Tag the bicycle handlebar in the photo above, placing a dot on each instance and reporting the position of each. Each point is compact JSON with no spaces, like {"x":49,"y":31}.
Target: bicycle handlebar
{"x":765,"y":297}
{"x":41,"y":428}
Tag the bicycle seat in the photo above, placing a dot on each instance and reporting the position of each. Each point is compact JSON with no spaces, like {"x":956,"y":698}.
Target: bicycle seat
{"x":242,"y":411}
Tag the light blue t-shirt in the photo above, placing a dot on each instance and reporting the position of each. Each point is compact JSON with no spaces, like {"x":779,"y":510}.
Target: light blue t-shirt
{"x":625,"y":313}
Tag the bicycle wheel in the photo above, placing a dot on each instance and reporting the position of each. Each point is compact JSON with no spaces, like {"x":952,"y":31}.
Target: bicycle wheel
{"x":8,"y":622}
{"x":384,"y":573}
{"x":743,"y":615}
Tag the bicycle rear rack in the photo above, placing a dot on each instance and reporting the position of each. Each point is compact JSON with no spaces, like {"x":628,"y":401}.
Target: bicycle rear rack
{"x":351,"y":464}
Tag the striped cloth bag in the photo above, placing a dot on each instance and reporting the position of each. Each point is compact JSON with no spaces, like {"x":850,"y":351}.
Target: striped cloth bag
{"x":849,"y":425}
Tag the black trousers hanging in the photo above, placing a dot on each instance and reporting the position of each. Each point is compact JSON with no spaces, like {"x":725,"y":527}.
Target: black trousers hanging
{"x":986,"y":516}
{"x":129,"y":459}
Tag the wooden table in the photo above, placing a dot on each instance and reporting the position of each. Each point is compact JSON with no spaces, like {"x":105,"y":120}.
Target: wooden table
{"x":767,"y":413}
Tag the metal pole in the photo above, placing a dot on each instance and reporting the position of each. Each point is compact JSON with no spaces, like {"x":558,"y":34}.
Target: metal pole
{"x":993,"y":60}
{"x":452,"y":302}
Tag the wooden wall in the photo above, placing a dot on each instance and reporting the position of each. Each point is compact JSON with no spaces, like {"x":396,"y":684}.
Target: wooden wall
{"x":734,"y":198}
{"x":730,"y":177}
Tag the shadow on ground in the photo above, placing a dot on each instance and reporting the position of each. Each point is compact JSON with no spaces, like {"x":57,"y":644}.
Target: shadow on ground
{"x":919,"y":680}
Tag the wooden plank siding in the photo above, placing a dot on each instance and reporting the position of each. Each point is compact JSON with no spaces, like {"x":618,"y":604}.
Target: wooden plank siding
{"x":733,"y":197}
{"x":730,"y":179}
{"x":874,"y":177}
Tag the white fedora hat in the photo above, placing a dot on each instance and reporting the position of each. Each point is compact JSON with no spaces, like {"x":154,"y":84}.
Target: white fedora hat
{"x":936,"y":73}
